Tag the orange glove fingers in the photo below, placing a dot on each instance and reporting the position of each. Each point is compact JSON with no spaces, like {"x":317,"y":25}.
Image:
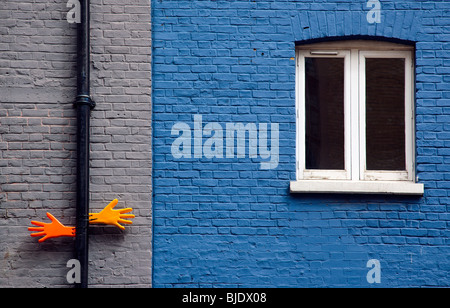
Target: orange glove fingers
{"x":109,"y":216}
{"x":40,"y":229}
{"x":112,"y":204}
{"x":52,"y":218}
{"x":38,"y":223}
{"x":50,"y":230}
{"x":127,"y":216}
{"x":44,"y":238}
{"x":126,"y":210}
{"x":35,"y":229}
{"x":119,"y":226}
{"x":37,"y":234}
{"x":123,"y":221}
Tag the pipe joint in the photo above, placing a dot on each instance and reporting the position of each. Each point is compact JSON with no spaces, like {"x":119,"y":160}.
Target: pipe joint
{"x":85,"y":100}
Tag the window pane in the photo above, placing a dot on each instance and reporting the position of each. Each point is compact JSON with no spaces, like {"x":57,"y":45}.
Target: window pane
{"x":385,"y":114}
{"x":324,"y":113}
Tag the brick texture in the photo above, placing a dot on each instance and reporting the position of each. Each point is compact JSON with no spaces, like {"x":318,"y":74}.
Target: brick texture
{"x":38,"y":142}
{"x":226,"y":222}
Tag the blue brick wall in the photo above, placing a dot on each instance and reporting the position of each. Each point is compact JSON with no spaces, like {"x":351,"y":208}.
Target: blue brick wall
{"x":225,"y":221}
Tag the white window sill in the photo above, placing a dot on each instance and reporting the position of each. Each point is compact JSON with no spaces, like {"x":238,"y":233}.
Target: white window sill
{"x":357,"y":187}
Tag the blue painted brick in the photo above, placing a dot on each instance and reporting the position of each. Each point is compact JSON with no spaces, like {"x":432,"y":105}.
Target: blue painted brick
{"x":226,"y":222}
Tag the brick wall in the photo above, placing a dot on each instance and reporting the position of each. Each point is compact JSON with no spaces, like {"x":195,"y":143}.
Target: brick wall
{"x":226,"y":222}
{"x":38,"y":142}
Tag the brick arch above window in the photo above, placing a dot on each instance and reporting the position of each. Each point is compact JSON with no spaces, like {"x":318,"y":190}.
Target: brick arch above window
{"x":399,"y":24}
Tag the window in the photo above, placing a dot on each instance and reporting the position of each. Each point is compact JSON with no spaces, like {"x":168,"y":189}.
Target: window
{"x":355,"y":118}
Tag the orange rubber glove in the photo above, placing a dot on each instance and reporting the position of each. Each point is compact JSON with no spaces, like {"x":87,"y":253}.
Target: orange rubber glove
{"x":50,"y":230}
{"x":108,"y":216}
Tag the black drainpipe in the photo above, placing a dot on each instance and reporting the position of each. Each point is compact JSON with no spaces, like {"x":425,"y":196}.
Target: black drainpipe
{"x":84,"y":104}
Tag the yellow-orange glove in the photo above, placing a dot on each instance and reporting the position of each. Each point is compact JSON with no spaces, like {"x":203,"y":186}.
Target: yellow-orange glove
{"x":108,"y":216}
{"x":50,"y":230}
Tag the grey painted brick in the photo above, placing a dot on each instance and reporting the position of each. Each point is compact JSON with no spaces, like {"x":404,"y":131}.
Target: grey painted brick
{"x":38,"y":135}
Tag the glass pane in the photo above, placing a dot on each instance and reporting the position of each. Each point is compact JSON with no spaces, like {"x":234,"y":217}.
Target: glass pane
{"x":385,"y":114}
{"x":324,"y":113}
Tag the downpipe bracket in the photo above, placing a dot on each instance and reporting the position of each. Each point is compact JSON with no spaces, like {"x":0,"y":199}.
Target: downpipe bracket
{"x":84,"y":100}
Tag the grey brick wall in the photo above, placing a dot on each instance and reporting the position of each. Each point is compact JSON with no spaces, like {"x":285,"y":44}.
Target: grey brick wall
{"x":37,"y":139}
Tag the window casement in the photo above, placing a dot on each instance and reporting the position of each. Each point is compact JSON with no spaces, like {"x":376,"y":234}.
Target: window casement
{"x":355,"y":118}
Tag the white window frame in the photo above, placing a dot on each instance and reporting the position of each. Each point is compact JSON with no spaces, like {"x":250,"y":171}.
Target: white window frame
{"x":408,"y":174}
{"x":355,"y":178}
{"x":323,"y":174}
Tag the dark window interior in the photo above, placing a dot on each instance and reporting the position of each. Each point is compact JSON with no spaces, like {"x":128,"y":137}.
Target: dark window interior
{"x":324,"y":113}
{"x":385,"y":114}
